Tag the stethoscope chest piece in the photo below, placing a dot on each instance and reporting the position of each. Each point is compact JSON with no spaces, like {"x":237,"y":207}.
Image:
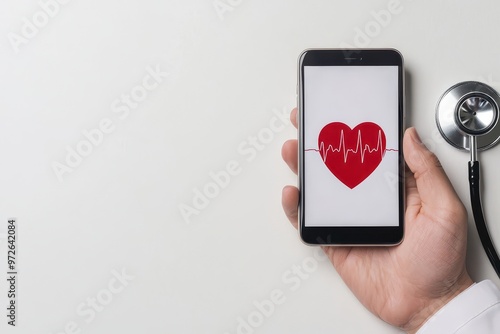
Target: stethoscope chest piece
{"x":467,"y":109}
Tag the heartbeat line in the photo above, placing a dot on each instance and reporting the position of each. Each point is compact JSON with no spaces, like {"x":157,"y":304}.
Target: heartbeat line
{"x":360,"y":148}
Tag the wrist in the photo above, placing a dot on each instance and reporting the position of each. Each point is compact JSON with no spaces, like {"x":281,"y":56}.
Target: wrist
{"x":432,"y":305}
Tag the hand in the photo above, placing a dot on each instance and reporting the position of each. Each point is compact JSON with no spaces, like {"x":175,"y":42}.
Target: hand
{"x":406,"y":284}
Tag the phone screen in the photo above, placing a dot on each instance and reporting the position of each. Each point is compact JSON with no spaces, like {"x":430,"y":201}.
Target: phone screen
{"x":351,"y":133}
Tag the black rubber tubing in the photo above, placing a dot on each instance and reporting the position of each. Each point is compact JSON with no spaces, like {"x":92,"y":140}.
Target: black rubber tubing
{"x":477,"y":211}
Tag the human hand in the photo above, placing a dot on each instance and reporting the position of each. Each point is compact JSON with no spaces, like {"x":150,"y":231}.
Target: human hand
{"x":406,"y":284}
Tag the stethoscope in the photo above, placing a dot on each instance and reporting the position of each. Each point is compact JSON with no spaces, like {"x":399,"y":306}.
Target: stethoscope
{"x":467,"y":117}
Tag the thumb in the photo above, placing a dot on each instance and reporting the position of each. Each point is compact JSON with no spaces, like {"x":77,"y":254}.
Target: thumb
{"x":434,"y":187}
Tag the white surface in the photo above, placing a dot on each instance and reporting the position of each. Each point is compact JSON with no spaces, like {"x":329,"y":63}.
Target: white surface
{"x":119,"y":209}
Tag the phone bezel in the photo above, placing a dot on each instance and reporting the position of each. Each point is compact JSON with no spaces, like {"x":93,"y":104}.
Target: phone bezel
{"x":347,"y":235}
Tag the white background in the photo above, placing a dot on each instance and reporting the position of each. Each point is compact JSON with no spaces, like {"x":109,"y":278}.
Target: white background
{"x":351,"y":95}
{"x":229,"y":75}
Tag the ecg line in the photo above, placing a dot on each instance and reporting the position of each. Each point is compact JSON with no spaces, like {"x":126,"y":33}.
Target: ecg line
{"x":346,"y":151}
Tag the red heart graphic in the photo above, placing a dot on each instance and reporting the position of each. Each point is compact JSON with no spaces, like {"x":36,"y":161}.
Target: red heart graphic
{"x":351,"y":155}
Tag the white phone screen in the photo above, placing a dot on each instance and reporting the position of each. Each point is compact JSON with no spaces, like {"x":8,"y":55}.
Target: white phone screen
{"x":351,"y":168}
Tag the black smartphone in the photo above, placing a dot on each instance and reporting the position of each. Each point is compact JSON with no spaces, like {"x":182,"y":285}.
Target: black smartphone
{"x":351,"y":166}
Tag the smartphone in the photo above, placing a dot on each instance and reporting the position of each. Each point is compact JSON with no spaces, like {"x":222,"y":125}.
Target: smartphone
{"x":351,"y":166}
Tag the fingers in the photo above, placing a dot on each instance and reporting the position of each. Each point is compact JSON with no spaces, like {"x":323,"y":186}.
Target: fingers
{"x":290,"y":194}
{"x":290,"y":203}
{"x":293,"y":117}
{"x":433,"y":185}
{"x":290,"y":147}
{"x":289,"y":154}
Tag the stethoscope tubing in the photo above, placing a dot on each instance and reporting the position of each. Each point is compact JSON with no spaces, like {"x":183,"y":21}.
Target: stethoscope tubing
{"x":477,"y":211}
